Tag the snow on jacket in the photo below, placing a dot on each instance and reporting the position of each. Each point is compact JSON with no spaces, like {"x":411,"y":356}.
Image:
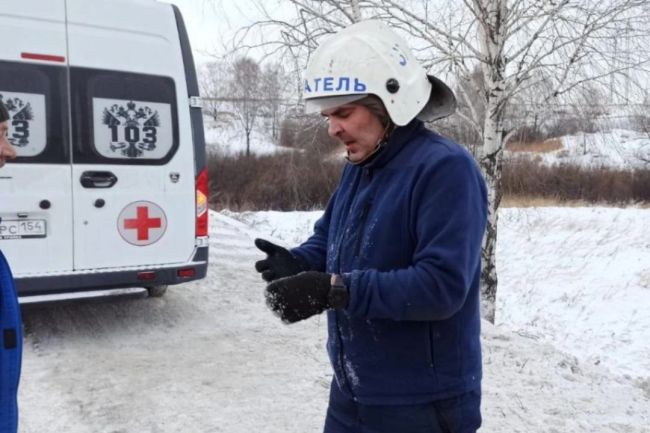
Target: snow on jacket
{"x":405,"y":231}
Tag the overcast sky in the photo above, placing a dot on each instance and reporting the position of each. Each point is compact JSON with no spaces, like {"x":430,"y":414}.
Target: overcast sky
{"x":212,"y":23}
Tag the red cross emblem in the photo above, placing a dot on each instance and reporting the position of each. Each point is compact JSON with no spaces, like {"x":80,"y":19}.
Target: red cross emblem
{"x":142,"y":223}
{"x":148,"y":225}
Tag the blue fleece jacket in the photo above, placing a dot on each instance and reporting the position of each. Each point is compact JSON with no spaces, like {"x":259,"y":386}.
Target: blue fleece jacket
{"x":405,"y":231}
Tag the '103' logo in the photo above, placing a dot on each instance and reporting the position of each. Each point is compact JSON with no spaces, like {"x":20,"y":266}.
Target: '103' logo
{"x":133,"y":129}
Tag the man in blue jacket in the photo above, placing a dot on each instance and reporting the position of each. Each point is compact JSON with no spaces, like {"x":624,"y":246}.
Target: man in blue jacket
{"x":10,"y":322}
{"x":395,"y":258}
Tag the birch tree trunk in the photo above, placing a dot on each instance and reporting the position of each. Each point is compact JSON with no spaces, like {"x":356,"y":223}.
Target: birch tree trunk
{"x":491,"y":14}
{"x":491,"y":165}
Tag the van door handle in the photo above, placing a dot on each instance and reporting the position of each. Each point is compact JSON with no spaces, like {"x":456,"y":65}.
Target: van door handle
{"x":98,"y":179}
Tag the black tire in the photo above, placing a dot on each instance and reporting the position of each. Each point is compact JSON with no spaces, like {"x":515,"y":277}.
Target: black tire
{"x":156,"y":291}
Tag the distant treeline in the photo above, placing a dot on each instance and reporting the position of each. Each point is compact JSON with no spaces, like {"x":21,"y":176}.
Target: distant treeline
{"x":565,"y":182}
{"x":303,"y":182}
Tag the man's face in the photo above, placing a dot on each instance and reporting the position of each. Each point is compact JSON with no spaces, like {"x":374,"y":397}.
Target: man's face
{"x":356,"y":127}
{"x":7,"y":151}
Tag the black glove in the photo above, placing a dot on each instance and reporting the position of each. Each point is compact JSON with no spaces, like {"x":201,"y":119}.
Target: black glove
{"x":300,"y":296}
{"x":279,"y":262}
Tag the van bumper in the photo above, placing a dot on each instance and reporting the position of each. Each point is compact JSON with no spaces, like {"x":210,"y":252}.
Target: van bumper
{"x":79,"y":282}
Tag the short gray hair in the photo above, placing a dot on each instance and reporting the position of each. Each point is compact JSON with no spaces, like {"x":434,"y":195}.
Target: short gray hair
{"x":377,"y":108}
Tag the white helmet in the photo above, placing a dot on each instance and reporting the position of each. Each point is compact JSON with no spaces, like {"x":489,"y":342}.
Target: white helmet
{"x":369,"y":58}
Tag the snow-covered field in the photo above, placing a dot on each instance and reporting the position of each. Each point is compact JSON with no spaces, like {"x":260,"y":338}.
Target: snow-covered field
{"x":619,"y":149}
{"x":569,"y":352}
{"x":579,"y":278}
{"x":228,"y":138}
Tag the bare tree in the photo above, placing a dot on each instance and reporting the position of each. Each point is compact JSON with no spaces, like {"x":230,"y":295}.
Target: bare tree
{"x":512,"y":43}
{"x":245,"y":91}
{"x":274,"y":88}
{"x":213,"y":79}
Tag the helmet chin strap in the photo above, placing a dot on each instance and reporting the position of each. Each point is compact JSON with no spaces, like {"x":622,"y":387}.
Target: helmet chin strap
{"x":390,"y":127}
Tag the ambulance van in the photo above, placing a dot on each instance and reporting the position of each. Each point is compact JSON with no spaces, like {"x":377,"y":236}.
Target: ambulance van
{"x":109,"y":189}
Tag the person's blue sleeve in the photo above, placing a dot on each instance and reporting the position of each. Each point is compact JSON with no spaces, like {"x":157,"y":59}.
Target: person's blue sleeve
{"x":10,"y":349}
{"x":449,"y":211}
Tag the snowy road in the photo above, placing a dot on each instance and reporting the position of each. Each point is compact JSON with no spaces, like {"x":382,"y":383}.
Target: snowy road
{"x":209,"y":357}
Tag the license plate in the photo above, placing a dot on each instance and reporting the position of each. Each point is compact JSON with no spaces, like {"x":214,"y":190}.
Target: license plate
{"x":22,"y":229}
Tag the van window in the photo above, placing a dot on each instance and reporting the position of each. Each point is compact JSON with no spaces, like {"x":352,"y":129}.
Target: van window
{"x":36,"y":98}
{"x":123,"y":118}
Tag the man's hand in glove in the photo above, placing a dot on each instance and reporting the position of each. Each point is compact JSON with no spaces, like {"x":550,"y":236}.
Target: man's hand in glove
{"x":279,"y":262}
{"x":300,"y":296}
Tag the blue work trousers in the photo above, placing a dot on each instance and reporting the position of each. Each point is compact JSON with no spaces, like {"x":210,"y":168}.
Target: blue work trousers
{"x":460,"y":414}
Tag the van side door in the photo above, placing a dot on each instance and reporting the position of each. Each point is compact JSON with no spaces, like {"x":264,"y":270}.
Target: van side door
{"x":133,"y":160}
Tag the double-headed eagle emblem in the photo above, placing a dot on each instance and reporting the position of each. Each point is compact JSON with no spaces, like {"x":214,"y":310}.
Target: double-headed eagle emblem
{"x":21,"y":114}
{"x":137,"y":125}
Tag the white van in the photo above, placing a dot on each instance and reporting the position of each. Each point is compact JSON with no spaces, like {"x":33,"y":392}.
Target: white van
{"x":110,"y":185}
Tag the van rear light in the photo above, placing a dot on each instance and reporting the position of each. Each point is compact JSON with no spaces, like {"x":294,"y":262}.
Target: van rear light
{"x":202,"y":203}
{"x":186,"y":273}
{"x":146,"y":276}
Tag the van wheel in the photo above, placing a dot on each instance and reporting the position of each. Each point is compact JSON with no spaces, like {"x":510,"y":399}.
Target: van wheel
{"x":156,"y":291}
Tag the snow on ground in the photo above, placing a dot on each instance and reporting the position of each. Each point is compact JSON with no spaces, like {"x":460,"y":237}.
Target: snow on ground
{"x":209,"y":356}
{"x":228,"y":138}
{"x":579,"y":278}
{"x":619,"y":149}
{"x":286,"y":228}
